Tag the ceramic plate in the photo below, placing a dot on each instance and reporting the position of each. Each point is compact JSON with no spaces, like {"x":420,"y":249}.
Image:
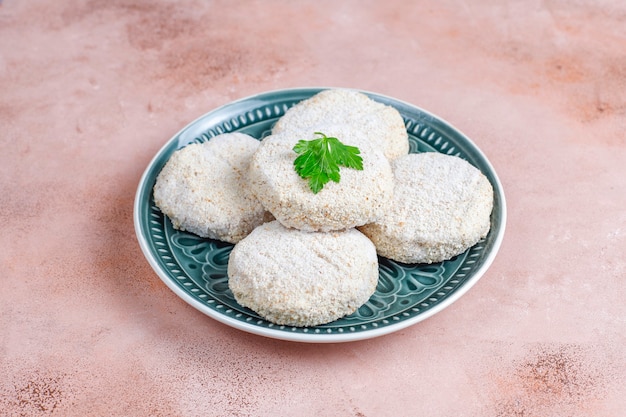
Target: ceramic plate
{"x":195,"y":268}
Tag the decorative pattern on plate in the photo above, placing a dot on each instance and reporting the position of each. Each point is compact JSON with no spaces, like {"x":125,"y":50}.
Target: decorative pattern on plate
{"x":196,"y":268}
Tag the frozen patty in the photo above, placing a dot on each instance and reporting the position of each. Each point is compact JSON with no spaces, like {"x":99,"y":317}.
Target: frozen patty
{"x":441,"y":207}
{"x":203,"y":189}
{"x":295,"y":278}
{"x":382,"y":125}
{"x":359,"y":197}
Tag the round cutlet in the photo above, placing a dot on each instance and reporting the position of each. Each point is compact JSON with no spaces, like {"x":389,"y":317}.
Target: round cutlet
{"x":382,"y":125}
{"x":295,"y":278}
{"x":441,"y":207}
{"x":203,"y":190}
{"x":359,"y":197}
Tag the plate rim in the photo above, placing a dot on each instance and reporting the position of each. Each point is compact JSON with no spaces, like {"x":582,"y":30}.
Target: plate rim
{"x":316,"y":337}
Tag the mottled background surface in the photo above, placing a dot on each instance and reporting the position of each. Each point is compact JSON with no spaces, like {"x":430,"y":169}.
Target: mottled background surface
{"x":90,"y":90}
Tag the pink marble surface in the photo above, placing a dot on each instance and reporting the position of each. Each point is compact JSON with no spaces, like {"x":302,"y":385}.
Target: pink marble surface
{"x":90,"y":90}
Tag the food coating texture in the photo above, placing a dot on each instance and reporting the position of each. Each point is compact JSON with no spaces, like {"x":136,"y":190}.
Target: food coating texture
{"x":382,"y":125}
{"x":441,"y":207}
{"x":295,"y":278}
{"x":203,"y":189}
{"x":359,"y":197}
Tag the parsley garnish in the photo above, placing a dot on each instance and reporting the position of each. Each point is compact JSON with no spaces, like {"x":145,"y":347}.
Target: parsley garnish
{"x":319,"y":160}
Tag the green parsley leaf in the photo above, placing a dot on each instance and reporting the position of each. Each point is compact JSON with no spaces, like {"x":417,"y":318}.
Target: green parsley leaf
{"x":319,"y":160}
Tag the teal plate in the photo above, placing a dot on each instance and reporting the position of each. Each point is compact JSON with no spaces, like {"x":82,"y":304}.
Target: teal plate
{"x":195,"y":268}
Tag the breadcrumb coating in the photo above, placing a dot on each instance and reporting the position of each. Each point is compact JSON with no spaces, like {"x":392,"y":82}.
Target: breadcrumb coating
{"x":360,"y":197}
{"x":203,"y":188}
{"x":376,"y":122}
{"x":441,"y":207}
{"x":296,"y":278}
